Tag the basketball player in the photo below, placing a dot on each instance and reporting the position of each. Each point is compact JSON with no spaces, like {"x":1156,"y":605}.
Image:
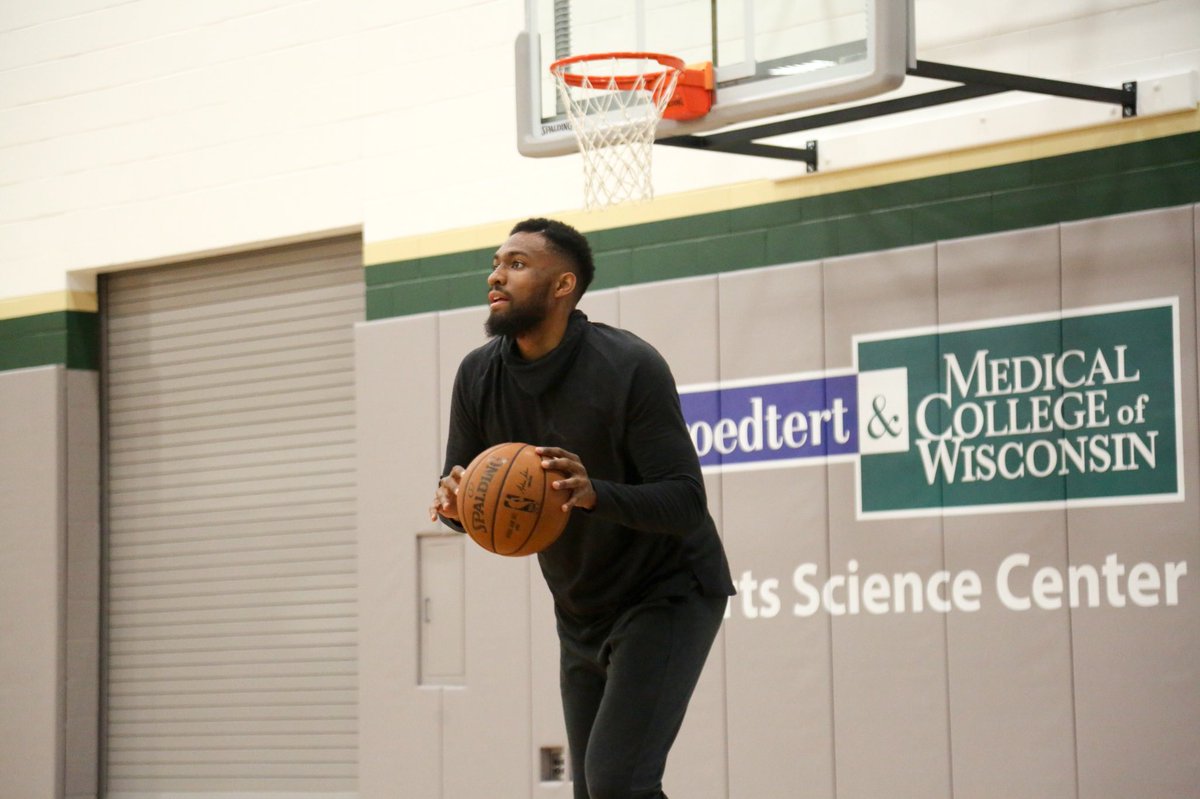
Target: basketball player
{"x":639,"y":577}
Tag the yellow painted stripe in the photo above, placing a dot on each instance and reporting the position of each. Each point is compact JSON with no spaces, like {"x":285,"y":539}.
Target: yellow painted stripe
{"x":741,"y":195}
{"x":50,"y":302}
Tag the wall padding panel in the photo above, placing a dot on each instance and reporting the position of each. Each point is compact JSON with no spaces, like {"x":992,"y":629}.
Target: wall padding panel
{"x":81,"y":404}
{"x":1010,"y":703}
{"x":49,"y":582}
{"x":890,"y":719}
{"x":778,"y":669}
{"x":401,"y":733}
{"x":1136,"y":733}
{"x":843,"y":681}
{"x":32,"y":584}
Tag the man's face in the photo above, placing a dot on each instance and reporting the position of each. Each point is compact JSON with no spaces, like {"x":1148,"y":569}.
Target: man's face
{"x":521,"y":285}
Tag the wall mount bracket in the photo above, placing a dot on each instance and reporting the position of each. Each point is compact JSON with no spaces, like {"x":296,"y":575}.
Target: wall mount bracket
{"x":973,"y":83}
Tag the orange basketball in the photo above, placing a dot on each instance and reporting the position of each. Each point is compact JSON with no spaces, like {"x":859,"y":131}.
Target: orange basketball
{"x":506,"y":504}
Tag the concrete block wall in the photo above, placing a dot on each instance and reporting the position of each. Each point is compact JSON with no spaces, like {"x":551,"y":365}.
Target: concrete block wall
{"x":140,"y":132}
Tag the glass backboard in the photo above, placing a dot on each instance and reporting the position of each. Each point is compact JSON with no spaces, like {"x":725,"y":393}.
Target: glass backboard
{"x":771,"y":57}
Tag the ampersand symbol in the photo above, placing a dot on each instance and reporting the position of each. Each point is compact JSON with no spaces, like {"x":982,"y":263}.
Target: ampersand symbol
{"x":880,"y":424}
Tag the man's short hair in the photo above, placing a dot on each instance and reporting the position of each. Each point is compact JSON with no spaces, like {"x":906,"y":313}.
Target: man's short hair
{"x":566,"y":240}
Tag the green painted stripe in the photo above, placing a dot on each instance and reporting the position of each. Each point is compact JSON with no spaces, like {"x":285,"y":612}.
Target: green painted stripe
{"x":1132,"y":177}
{"x":1156,"y":173}
{"x":70,"y":338}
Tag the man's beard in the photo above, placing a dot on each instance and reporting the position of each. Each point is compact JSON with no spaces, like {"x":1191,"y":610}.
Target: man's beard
{"x":519,"y":319}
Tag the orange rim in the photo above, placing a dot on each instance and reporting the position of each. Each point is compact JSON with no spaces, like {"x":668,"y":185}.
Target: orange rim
{"x":623,"y":82}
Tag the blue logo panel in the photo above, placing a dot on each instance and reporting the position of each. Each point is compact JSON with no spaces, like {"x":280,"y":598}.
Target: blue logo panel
{"x":783,"y":421}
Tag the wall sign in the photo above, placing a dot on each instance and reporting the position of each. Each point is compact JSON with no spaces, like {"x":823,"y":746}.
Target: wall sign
{"x":1075,"y":408}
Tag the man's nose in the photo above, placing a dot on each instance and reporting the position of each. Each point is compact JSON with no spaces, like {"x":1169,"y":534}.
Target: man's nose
{"x":495,"y":278}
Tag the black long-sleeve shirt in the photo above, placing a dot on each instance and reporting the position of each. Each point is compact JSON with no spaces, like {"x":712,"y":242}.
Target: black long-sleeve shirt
{"x":609,"y":397}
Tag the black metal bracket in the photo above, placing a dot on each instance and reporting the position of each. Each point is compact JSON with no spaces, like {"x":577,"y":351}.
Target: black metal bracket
{"x":807,"y":154}
{"x":974,"y":83}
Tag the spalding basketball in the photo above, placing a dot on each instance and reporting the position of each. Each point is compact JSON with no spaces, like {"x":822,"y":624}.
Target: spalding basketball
{"x":506,"y":503}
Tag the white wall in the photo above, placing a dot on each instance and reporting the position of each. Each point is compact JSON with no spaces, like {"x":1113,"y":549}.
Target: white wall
{"x":142,"y":131}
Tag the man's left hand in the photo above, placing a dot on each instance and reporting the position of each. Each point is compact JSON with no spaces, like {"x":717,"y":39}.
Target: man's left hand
{"x":576,"y":480}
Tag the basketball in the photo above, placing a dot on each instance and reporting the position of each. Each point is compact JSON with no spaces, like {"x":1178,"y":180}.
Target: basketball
{"x":506,"y":503}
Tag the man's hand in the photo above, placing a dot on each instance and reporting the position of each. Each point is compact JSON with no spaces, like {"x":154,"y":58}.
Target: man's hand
{"x":576,"y":480}
{"x":445,"y":499}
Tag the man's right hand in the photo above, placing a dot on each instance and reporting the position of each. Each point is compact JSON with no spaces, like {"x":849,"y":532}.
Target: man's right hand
{"x":445,"y":499}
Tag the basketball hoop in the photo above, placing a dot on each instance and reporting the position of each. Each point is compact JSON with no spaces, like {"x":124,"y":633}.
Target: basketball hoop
{"x":614,"y":102}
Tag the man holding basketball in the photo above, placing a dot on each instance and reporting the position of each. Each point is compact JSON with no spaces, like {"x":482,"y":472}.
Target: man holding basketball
{"x":639,"y":577}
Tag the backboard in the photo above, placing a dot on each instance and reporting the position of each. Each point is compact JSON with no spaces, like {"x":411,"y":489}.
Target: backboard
{"x":771,"y":57}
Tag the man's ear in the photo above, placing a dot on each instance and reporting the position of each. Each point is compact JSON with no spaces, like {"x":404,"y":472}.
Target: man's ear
{"x":565,"y":286}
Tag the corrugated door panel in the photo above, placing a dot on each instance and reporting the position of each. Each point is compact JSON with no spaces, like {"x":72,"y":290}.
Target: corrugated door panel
{"x":232,"y":617}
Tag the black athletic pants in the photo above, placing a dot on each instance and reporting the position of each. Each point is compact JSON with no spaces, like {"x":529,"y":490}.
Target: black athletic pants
{"x":625,"y":688}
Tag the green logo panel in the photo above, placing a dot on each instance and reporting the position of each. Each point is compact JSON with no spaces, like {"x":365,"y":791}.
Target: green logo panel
{"x":1080,"y":407}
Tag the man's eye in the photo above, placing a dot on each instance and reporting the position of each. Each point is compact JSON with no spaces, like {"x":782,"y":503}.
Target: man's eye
{"x":518,"y":264}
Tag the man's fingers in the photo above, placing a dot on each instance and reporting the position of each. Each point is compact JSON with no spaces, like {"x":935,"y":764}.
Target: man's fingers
{"x":574,"y":477}
{"x":565,"y":465}
{"x":445,"y":499}
{"x":556,"y":453}
{"x":440,"y":505}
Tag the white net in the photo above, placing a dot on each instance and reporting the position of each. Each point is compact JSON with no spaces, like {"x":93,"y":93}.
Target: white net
{"x":614,"y":106}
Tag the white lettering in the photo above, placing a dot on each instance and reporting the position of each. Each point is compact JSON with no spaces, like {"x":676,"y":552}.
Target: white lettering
{"x":812,"y":597}
{"x":1007,"y":597}
{"x":725,"y":436}
{"x":954,"y":375}
{"x":923,"y":413}
{"x":795,"y":430}
{"x":1021,"y":586}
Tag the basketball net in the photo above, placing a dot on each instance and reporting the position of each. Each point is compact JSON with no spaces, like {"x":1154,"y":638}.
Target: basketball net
{"x":614,"y":105}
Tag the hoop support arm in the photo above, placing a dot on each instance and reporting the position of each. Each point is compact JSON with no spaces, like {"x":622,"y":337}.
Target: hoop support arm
{"x":975,"y":83}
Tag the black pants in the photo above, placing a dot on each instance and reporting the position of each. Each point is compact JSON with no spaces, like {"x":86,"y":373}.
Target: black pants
{"x":625,"y":688}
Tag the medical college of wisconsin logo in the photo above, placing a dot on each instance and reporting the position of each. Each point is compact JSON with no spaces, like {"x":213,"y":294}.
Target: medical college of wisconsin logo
{"x":1080,"y":407}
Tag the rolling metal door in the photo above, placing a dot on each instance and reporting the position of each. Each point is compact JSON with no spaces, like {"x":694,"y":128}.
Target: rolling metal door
{"x":230,"y":491}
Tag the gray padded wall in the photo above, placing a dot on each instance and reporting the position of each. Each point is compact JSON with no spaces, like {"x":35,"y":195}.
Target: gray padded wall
{"x":81,"y":484}
{"x":1137,"y":669}
{"x":1085,"y":703}
{"x":779,"y":680}
{"x":49,"y":582}
{"x":400,"y":734}
{"x":34,"y":539}
{"x":890,"y":731}
{"x":1008,"y":704}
